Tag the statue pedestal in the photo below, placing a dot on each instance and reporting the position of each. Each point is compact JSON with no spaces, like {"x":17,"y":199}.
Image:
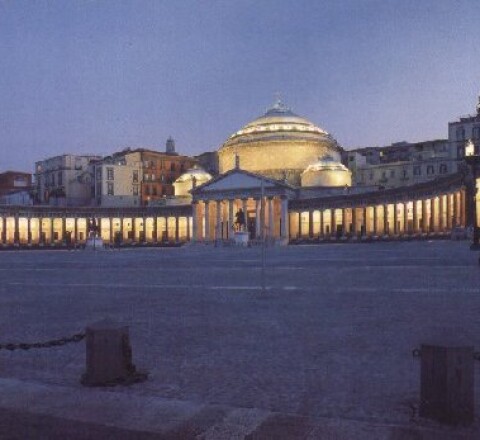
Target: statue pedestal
{"x":241,"y":238}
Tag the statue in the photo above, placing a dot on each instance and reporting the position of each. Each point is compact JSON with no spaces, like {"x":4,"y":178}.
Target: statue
{"x":240,"y":220}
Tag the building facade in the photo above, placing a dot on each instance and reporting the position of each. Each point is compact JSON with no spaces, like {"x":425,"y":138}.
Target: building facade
{"x":320,"y":207}
{"x":64,"y":180}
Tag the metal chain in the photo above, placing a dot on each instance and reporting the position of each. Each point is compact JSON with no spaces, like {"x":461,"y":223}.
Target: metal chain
{"x":53,"y":343}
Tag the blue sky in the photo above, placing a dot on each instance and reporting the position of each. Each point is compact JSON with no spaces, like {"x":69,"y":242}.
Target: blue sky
{"x":98,"y":76}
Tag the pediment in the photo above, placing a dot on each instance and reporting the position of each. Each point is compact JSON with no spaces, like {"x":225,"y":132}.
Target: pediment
{"x":237,"y":180}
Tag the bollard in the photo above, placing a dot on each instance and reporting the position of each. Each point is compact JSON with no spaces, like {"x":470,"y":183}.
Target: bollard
{"x":447,"y":384}
{"x":109,"y":355}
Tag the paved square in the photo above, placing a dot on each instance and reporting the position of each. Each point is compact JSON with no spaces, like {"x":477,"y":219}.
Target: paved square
{"x":332,"y":336}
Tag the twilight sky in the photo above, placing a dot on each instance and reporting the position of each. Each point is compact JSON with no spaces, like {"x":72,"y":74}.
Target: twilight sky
{"x":98,"y":76}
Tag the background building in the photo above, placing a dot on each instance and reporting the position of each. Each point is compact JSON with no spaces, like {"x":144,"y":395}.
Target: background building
{"x":64,"y":180}
{"x":15,"y":188}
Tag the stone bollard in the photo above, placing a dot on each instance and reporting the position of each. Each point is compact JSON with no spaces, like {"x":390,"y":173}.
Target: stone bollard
{"x":447,"y":384}
{"x":109,"y":355}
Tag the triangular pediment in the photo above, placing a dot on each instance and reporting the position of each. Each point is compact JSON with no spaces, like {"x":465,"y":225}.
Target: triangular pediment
{"x":237,"y":180}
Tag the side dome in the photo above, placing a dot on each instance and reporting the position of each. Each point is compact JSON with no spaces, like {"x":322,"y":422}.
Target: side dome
{"x":279,"y":144}
{"x":327,"y":172}
{"x":192,"y":177}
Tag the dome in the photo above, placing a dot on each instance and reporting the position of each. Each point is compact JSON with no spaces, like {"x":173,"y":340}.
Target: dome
{"x":326,"y":172}
{"x":185,"y":182}
{"x":279,"y":144}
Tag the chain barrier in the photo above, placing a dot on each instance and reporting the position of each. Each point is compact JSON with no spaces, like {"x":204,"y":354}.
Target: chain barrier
{"x":47,"y":344}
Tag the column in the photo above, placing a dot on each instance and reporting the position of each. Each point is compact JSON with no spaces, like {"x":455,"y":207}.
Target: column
{"x":110,"y":221}
{"x":354,"y":222}
{"x":52,"y":238}
{"x":322,"y":227}
{"x":29,"y":230}
{"x":375,"y":220}
{"x":364,"y":221}
{"x":310,"y":224}
{"x":344,"y":222}
{"x":16,"y":231}
{"x":207,"y":220}
{"x":4,"y":231}
{"x":441,"y":222}
{"x":299,"y":224}
{"x":258,"y":218}
{"x":64,"y":228}
{"x":218,"y":220}
{"x":432,"y":215}
{"x":405,"y":218}
{"x":244,"y":209}
{"x":75,"y":230}
{"x":122,"y":230}
{"x":155,"y":228}
{"x":333,"y":225}
{"x":177,"y":229}
{"x":424,"y":216}
{"x":40,"y":230}
{"x":230,"y":219}
{"x":189,"y":235}
{"x":284,"y":218}
{"x":449,"y":211}
{"x":134,"y":228}
{"x":386,"y":230}
{"x":455,"y":209}
{"x":415,"y":216}
{"x":462,"y":207}
{"x":395,"y":219}
{"x":194,"y":222}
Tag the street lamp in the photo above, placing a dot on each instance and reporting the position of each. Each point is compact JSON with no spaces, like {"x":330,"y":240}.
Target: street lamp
{"x":472,"y":158}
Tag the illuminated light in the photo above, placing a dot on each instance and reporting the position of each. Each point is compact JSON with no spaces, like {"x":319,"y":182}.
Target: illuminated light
{"x":469,"y":148}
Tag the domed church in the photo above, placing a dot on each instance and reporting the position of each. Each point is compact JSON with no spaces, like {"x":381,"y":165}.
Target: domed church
{"x":279,"y":145}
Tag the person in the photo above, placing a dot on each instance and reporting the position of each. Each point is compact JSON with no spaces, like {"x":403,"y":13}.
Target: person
{"x":240,"y":219}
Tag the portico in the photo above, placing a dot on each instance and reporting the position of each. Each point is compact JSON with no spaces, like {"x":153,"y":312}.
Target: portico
{"x":263,"y":201}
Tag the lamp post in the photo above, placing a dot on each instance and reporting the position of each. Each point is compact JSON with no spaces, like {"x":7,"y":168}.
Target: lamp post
{"x":472,"y":158}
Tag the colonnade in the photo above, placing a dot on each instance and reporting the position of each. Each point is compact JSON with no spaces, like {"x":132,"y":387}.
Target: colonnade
{"x":436,"y":214}
{"x":263,"y":216}
{"x":25,"y":228}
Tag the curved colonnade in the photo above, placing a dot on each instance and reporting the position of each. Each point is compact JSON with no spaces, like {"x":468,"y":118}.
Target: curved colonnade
{"x":432,"y":208}
{"x":429,"y":208}
{"x":40,"y":226}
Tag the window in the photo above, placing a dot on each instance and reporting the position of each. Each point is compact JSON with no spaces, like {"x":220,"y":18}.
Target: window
{"x":405,"y":173}
{"x":135,"y":190}
{"x":110,"y":188}
{"x":476,"y":132}
{"x":443,"y":168}
{"x":162,"y":178}
{"x":60,"y":179}
{"x":135,"y":176}
{"x":460,"y":134}
{"x":110,"y":175}
{"x":392,"y":173}
{"x":146,"y":177}
{"x":154,"y":190}
{"x":182,"y":167}
{"x":172,"y":166}
{"x":417,"y":171}
{"x":147,"y":190}
{"x":99,"y":173}
{"x":430,"y":169}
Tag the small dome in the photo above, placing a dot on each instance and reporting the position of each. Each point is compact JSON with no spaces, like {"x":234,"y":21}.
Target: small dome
{"x":326,"y":172}
{"x":185,"y":182}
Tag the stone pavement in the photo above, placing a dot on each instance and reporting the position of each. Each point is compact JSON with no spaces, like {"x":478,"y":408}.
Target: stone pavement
{"x":325,"y":353}
{"x":35,"y":411}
